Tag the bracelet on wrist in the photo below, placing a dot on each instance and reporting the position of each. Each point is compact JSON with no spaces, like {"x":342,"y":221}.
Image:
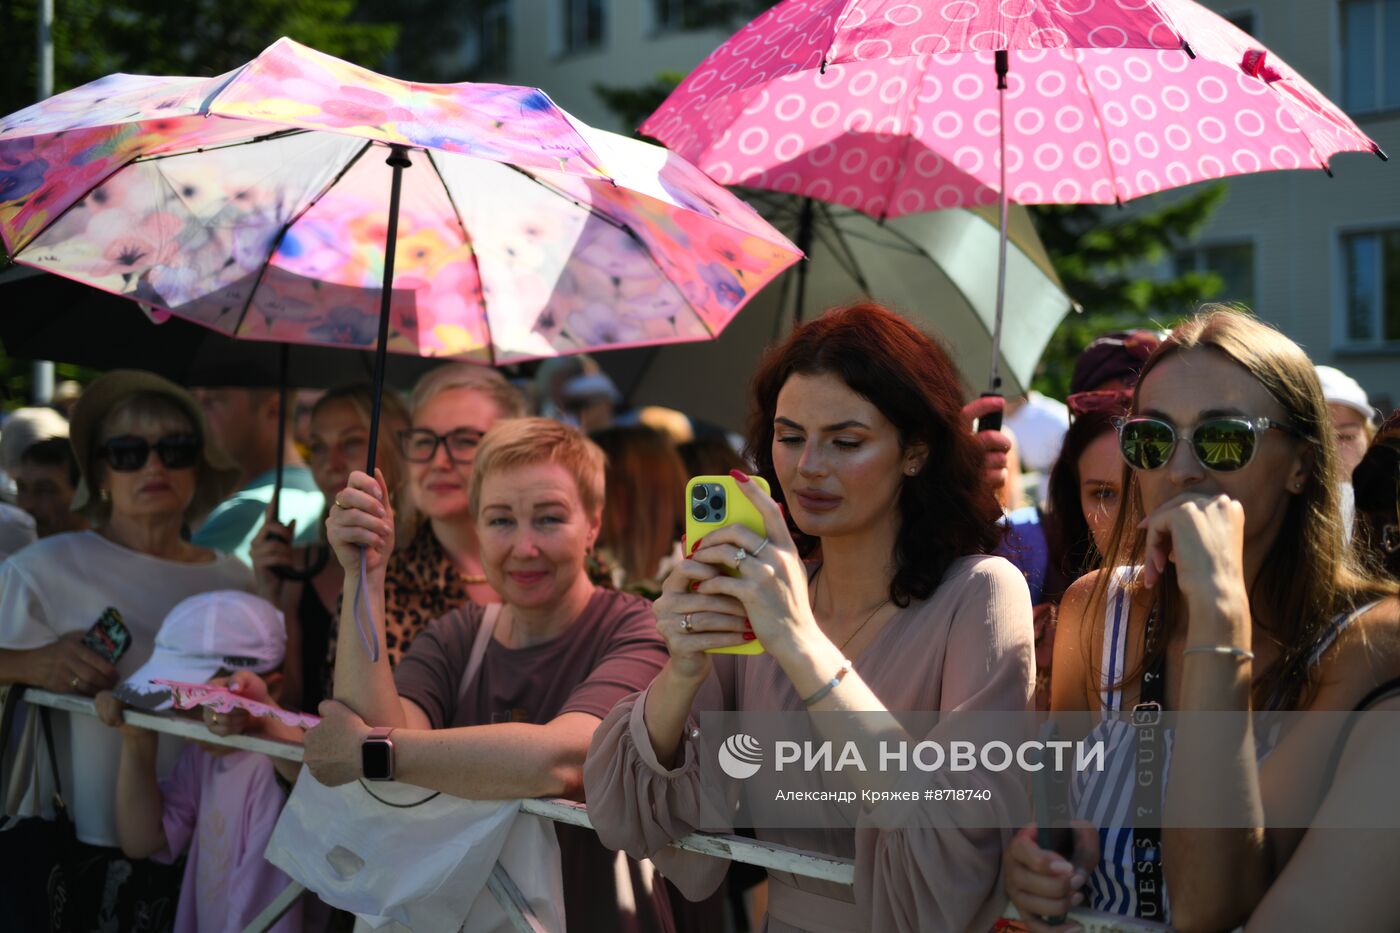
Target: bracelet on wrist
{"x":1241,"y":654}
{"x":831,"y":684}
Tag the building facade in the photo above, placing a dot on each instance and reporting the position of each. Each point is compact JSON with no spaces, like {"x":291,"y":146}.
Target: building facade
{"x":1317,"y":256}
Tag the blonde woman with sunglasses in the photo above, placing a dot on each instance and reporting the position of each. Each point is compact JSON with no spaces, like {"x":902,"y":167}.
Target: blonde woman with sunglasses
{"x":1227,"y":588}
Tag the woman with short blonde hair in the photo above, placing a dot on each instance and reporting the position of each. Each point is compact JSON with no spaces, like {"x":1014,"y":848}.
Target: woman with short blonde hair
{"x":500,"y":701}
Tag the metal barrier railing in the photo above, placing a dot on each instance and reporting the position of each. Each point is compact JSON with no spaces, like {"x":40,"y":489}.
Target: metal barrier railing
{"x":734,"y":848}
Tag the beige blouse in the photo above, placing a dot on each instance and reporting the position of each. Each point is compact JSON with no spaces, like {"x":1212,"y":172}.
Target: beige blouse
{"x":970,"y":646}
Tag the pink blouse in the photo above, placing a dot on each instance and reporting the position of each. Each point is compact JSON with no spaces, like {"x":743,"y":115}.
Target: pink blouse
{"x":970,"y":646}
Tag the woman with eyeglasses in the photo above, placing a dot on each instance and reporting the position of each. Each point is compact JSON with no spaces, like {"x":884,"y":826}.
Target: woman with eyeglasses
{"x":148,"y":471}
{"x":338,"y":443}
{"x":439,"y":567}
{"x":1226,"y":588}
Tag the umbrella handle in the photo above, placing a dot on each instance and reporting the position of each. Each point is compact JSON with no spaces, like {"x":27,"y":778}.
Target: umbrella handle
{"x":992,"y":420}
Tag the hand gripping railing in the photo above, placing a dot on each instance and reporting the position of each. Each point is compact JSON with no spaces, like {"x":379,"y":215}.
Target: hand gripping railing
{"x":512,"y":901}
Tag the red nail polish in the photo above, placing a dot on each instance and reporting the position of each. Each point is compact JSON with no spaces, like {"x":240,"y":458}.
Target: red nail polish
{"x":749,"y":636}
{"x":748,"y":624}
{"x":739,"y":475}
{"x":698,"y":541}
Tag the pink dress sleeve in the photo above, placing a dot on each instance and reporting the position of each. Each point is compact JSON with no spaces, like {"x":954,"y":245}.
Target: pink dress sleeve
{"x":922,"y":877}
{"x":640,"y":807}
{"x":180,"y":799}
{"x":255,"y":881}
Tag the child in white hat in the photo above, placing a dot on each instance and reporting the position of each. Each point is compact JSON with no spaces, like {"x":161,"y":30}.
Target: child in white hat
{"x":1353,"y":417}
{"x":220,"y":804}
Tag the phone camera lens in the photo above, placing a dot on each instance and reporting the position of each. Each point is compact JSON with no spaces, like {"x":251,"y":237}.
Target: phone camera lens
{"x":701,"y":513}
{"x":717,"y":503}
{"x":699,"y":492}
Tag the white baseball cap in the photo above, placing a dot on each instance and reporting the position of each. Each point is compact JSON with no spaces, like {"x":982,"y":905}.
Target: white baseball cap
{"x":202,"y":635}
{"x":1340,"y":389}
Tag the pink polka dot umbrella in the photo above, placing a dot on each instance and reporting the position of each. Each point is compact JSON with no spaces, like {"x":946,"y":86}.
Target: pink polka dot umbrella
{"x":894,"y":108}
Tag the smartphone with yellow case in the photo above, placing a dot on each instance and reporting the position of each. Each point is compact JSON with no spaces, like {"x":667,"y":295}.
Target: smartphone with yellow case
{"x":715,"y":502}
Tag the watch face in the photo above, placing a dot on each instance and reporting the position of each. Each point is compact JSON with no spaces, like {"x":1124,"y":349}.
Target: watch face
{"x":377,"y":760}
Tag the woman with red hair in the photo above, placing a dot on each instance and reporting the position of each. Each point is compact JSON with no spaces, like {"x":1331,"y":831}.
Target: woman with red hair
{"x":873,"y":591}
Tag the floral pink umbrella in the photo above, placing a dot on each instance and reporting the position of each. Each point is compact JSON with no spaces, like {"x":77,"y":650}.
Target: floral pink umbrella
{"x":894,"y":108}
{"x":261,"y":203}
{"x":257,"y":203}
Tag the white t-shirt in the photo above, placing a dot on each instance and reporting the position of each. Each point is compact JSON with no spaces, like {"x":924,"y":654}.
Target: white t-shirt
{"x":1040,"y":425}
{"x":62,"y":583}
{"x":16,"y":530}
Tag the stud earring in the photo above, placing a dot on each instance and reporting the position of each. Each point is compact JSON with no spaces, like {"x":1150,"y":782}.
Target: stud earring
{"x":104,"y":495}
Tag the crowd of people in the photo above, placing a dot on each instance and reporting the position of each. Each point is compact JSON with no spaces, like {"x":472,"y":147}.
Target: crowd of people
{"x":508,"y":608}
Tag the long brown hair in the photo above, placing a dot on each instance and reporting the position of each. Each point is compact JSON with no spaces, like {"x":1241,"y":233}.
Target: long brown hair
{"x":645,"y":492}
{"x":1067,"y":534}
{"x":393,"y":418}
{"x":1308,"y":576}
{"x":946,"y":510}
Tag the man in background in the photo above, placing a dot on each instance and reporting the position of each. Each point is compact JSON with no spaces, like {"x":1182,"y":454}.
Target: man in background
{"x":245,"y":424}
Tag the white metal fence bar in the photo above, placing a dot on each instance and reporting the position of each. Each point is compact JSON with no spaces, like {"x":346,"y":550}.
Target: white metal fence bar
{"x":274,"y":911}
{"x":512,"y":901}
{"x":734,"y":848}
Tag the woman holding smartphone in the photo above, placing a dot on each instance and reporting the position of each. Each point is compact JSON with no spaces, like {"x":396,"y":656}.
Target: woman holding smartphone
{"x":872,"y":591}
{"x":1227,"y":588}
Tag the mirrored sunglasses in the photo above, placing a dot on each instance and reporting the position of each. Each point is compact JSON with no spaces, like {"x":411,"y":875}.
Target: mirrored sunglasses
{"x":1223,"y":445}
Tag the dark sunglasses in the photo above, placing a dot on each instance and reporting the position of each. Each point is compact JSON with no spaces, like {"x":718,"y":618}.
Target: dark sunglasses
{"x":419,"y":445}
{"x":128,"y":453}
{"x":1099,"y":400}
{"x":1220,"y":444}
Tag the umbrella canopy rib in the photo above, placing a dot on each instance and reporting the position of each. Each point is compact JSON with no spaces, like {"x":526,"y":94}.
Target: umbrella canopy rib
{"x":622,"y":227}
{"x":859,"y":277}
{"x":1099,"y":124}
{"x":200,"y":150}
{"x":282,"y":233}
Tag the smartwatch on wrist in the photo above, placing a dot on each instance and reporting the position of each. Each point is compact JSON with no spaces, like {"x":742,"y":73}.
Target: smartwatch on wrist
{"x":377,"y":756}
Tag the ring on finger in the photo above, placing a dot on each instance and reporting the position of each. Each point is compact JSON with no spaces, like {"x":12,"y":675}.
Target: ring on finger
{"x":759,"y":550}
{"x":686,"y":625}
{"x":740,"y":556}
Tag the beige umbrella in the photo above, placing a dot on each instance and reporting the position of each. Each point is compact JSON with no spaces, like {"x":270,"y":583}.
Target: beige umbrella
{"x":937,"y":268}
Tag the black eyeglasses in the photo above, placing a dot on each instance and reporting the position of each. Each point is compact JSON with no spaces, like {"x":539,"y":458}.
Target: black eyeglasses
{"x":128,"y":453}
{"x":419,"y":445}
{"x":1223,"y":445}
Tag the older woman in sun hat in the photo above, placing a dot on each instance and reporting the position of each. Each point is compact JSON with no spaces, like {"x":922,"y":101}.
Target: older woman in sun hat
{"x":148,"y":470}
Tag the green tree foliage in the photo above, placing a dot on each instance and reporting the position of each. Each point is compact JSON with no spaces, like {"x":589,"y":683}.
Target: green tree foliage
{"x":93,"y":38}
{"x":634,"y":104}
{"x":1100,"y":252}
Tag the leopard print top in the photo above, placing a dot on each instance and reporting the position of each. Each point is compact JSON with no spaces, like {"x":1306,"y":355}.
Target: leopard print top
{"x":420,"y":584}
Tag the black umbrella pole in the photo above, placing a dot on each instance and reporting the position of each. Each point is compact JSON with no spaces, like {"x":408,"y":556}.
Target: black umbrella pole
{"x":992,"y":421}
{"x":284,"y":375}
{"x":398,"y":161}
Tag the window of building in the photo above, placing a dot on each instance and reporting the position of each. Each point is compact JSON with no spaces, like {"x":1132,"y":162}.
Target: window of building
{"x":1243,"y":20}
{"x":1370,"y":55}
{"x":1233,"y":262}
{"x":1371,"y":287}
{"x":488,"y":41}
{"x":582,"y":25}
{"x":671,"y":15}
